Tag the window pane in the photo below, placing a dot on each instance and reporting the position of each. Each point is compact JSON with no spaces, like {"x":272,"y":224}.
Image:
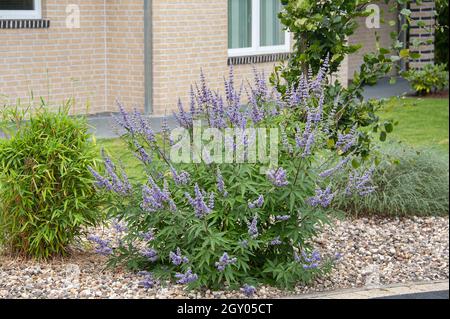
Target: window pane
{"x":16,"y":4}
{"x":239,"y":24}
{"x":271,"y":29}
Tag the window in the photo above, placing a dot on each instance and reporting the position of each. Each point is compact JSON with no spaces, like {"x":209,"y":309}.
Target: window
{"x":20,"y":9}
{"x":254,"y":28}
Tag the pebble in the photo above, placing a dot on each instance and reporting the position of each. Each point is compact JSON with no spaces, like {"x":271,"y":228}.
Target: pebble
{"x":375,"y":251}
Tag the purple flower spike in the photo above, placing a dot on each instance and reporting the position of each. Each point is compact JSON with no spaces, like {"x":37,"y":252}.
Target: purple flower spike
{"x":150,"y":254}
{"x":257,"y":203}
{"x":147,"y":236}
{"x":322,"y":198}
{"x":181,"y":178}
{"x":253,"y":227}
{"x":282,"y":217}
{"x":224,"y":261}
{"x":276,"y":241}
{"x":360,"y":184}
{"x":186,"y":278}
{"x":248,"y":290}
{"x":149,"y":281}
{"x":198,"y":203}
{"x":102,"y":247}
{"x":221,"y":184}
{"x":277,"y":177}
{"x":177,"y":258}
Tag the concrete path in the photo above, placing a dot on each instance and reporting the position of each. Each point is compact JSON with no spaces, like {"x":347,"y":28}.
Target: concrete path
{"x":102,"y":125}
{"x":423,"y":290}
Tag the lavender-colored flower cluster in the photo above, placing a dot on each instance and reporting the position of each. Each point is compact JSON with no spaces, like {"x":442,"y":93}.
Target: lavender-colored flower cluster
{"x":331,"y":171}
{"x":361,"y":184}
{"x":119,"y":227}
{"x":154,"y":199}
{"x":103,"y":246}
{"x":148,"y":281}
{"x":276,"y":241}
{"x":224,"y":261}
{"x":177,"y":258}
{"x":346,"y":141}
{"x":258,"y":203}
{"x":112,"y":181}
{"x":282,"y":217}
{"x":135,"y":123}
{"x":221,"y":184}
{"x":142,"y":154}
{"x":311,"y":262}
{"x":322,"y":197}
{"x":147,"y":236}
{"x":181,"y":178}
{"x":277,"y":177}
{"x":186,"y":278}
{"x":198,"y":203}
{"x":248,"y":290}
{"x":253,"y":227}
{"x":221,"y":113}
{"x":151,"y":254}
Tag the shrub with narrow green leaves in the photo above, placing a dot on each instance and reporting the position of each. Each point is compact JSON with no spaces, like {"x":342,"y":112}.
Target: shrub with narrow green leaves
{"x":46,"y":190}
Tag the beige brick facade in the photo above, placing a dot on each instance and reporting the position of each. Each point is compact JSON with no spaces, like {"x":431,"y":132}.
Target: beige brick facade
{"x":97,"y":63}
{"x":104,"y":59}
{"x":367,"y":37}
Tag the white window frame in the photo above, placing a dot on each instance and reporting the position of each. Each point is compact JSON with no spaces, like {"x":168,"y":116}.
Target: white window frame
{"x":23,"y":14}
{"x":256,"y":48}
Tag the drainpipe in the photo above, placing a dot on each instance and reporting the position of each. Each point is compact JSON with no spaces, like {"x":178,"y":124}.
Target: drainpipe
{"x":148,"y":57}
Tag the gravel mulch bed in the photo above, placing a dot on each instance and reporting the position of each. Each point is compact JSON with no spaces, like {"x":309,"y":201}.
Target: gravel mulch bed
{"x":374,"y":252}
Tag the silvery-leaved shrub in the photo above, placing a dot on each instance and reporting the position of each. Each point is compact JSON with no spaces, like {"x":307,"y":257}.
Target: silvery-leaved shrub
{"x":218,"y":222}
{"x":47,"y":193}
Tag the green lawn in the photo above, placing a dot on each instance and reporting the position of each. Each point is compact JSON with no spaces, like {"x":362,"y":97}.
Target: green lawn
{"x":422,"y":122}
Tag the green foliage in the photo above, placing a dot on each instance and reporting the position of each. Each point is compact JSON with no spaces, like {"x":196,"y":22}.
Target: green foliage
{"x":442,"y":40}
{"x":321,"y":30}
{"x":431,"y":78}
{"x":161,"y":216}
{"x":47,"y":193}
{"x":409,"y":183}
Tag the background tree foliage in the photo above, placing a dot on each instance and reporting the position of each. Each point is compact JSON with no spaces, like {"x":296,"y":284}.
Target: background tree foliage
{"x":320,"y":30}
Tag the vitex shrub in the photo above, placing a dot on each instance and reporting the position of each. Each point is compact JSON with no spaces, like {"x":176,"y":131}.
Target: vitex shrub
{"x":227,"y":224}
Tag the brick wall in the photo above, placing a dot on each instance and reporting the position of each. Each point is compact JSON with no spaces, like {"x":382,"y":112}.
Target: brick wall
{"x":57,"y":62}
{"x":367,"y":37}
{"x":424,"y":13}
{"x":125,"y":53}
{"x":97,"y":63}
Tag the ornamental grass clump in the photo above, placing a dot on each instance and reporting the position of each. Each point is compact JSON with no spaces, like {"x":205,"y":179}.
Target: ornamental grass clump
{"x":240,"y":222}
{"x":47,"y":193}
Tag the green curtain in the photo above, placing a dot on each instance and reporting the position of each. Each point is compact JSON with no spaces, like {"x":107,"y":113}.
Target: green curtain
{"x":271,"y":30}
{"x":239,"y":24}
